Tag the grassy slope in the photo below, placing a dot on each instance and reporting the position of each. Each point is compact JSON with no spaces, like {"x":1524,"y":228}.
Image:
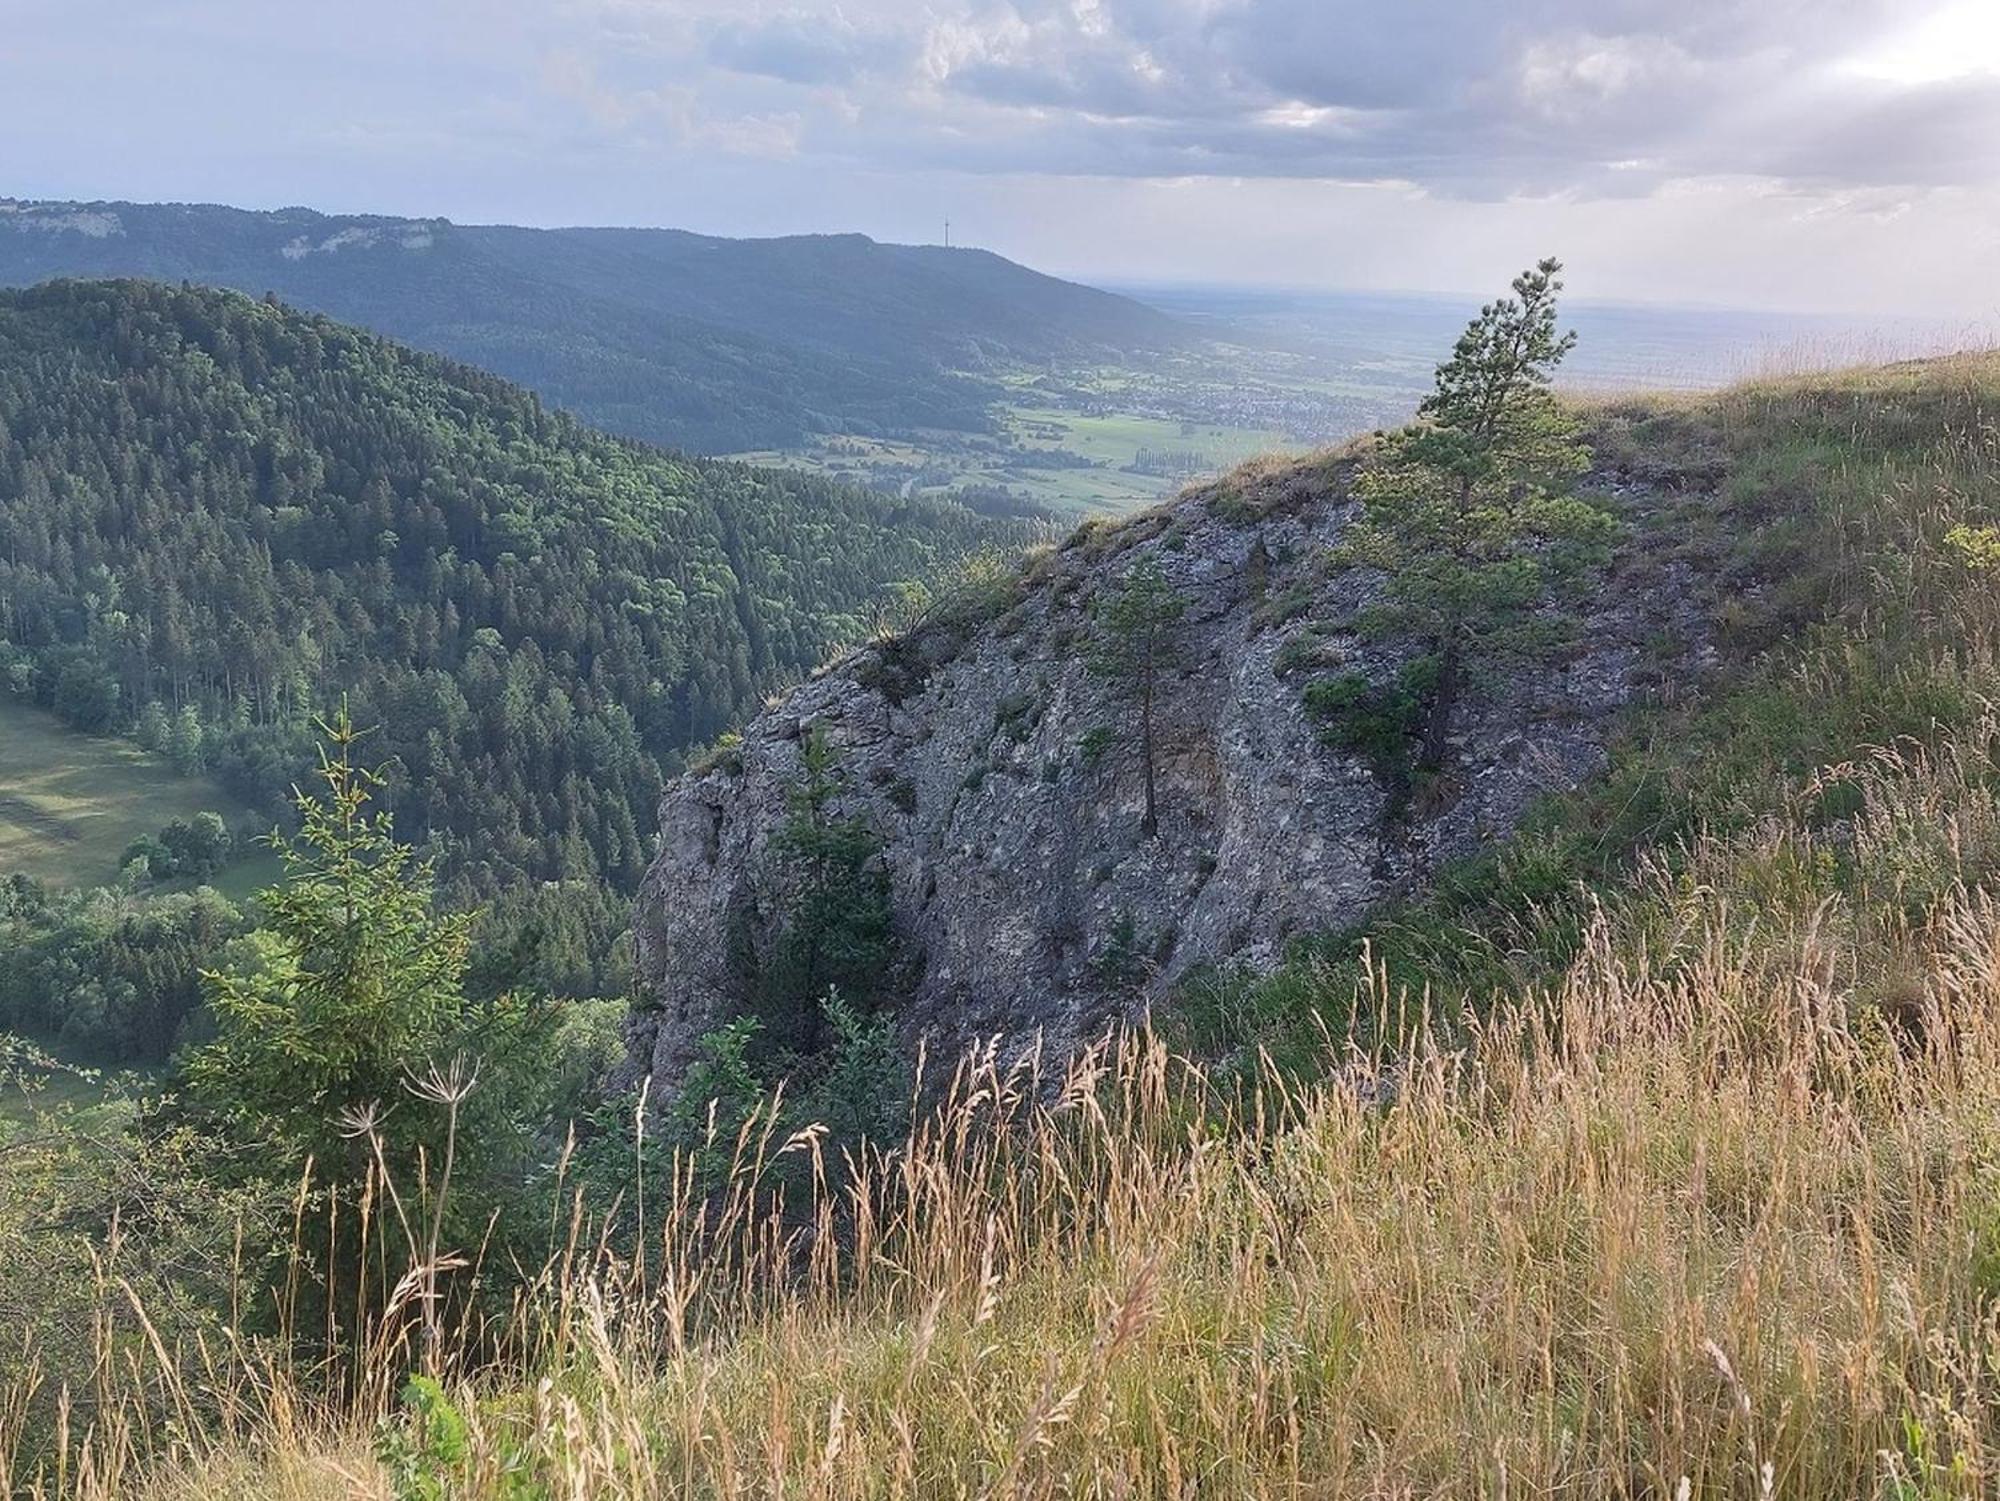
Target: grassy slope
{"x":1701,"y":1196}
{"x":70,"y":803}
{"x":1851,"y":630}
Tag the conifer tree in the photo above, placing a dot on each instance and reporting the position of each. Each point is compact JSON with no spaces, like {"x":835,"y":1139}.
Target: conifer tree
{"x":359,"y":988}
{"x":1471,"y":513}
{"x":839,"y":934}
{"x":1139,"y":643}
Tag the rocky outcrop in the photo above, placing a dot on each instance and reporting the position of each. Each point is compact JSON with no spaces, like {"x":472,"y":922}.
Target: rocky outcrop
{"x":1002,"y":772}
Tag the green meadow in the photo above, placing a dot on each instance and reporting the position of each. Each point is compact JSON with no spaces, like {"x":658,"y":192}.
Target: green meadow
{"x":71,"y":803}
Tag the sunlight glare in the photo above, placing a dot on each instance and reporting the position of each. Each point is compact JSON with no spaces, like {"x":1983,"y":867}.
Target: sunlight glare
{"x":1954,"y":41}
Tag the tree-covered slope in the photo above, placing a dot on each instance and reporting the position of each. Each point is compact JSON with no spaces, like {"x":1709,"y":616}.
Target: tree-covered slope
{"x":707,"y":344}
{"x":217,"y":516}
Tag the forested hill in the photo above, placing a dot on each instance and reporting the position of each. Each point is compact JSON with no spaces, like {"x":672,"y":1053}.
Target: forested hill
{"x":707,"y":344}
{"x":218,"y":515}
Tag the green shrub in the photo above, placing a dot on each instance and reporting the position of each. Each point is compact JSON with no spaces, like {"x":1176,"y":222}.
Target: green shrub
{"x":1014,"y":716}
{"x":1289,"y":606}
{"x":424,"y":1450}
{"x":1304,"y":650}
{"x":725,"y":754}
{"x":863,"y":1092}
{"x":1380,"y":722}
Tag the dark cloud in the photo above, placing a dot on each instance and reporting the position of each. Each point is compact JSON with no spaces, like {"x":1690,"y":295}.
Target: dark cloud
{"x":1945,"y":134}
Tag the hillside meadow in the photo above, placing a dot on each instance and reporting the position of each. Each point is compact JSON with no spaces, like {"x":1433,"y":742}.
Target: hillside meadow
{"x":71,"y":803}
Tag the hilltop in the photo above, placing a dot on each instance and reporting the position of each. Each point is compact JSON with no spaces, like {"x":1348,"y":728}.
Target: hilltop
{"x":223,"y":508}
{"x":707,"y":344}
{"x":1003,"y":770}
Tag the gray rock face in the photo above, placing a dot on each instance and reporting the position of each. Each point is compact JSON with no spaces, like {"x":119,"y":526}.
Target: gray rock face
{"x":1017,"y":863}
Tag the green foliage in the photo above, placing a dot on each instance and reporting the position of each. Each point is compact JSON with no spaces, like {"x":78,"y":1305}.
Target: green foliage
{"x":1303,"y":650}
{"x":425,"y":1450}
{"x":1093,"y":743}
{"x":724,"y":753}
{"x":218,"y":515}
{"x":857,"y":1088}
{"x":86,"y":1175}
{"x":427,"y":1454}
{"x":113,"y":975}
{"x":862,"y":1092}
{"x":1979,"y":546}
{"x":355,"y":989}
{"x":1137,"y":643}
{"x":1122,"y":960}
{"x":191,"y":848}
{"x":721,"y":1090}
{"x":1470,"y":513}
{"x":566,"y":938}
{"x":1381,"y":722}
{"x":838,"y":930}
{"x":1282,"y":609}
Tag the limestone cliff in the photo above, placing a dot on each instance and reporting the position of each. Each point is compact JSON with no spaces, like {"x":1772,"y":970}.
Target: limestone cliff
{"x":1002,"y":773}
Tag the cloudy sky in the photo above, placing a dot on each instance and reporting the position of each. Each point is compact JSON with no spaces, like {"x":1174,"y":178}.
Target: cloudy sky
{"x":1813,"y":154}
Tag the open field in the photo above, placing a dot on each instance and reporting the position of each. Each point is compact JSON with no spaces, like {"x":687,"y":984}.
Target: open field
{"x":31,"y":1095}
{"x":70,"y":803}
{"x":1108,"y":443}
{"x":1115,"y":438}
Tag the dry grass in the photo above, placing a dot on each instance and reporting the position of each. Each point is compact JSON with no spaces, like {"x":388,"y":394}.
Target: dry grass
{"x":1695,"y":1224}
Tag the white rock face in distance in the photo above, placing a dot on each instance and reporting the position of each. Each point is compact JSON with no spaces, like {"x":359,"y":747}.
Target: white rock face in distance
{"x":1017,"y":861}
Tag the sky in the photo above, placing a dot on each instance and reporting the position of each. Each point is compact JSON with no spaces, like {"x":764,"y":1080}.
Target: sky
{"x":1828,"y":155}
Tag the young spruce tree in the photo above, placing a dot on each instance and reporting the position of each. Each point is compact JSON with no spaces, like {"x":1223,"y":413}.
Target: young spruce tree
{"x":1471,"y":513}
{"x":357,"y":992}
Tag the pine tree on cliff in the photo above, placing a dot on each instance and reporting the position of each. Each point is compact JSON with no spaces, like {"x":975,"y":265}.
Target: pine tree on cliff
{"x":1471,"y":513}
{"x":1138,"y":644}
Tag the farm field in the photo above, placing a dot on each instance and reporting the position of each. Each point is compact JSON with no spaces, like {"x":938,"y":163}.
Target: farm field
{"x":1116,"y":438}
{"x":71,"y":803}
{"x":1103,"y":484}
